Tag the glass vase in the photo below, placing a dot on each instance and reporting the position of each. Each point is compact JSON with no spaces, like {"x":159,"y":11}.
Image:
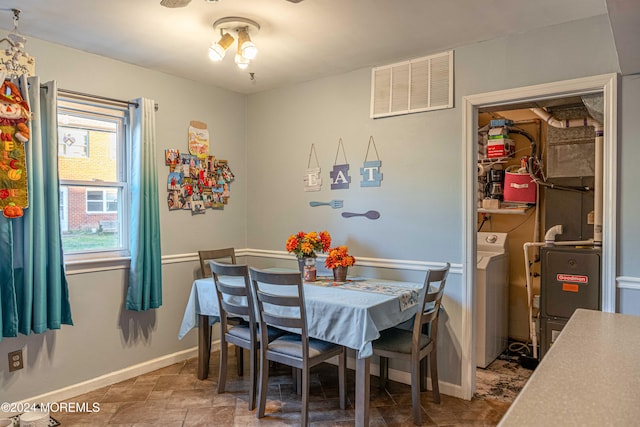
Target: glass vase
{"x":309,"y":270}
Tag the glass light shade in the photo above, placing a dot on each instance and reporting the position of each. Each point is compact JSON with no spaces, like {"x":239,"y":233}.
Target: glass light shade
{"x":241,"y":61}
{"x":249,"y":50}
{"x":246,"y":46}
{"x":217,"y":50}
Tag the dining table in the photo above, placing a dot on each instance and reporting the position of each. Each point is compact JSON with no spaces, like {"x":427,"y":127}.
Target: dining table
{"x":350,"y":313}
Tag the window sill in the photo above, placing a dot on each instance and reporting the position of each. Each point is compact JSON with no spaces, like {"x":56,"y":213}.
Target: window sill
{"x":76,"y":264}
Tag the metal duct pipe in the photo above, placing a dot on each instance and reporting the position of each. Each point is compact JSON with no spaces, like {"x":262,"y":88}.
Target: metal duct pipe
{"x":599,"y":149}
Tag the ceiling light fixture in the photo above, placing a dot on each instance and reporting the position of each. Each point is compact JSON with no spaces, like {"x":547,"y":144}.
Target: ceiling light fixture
{"x":244,"y":28}
{"x":218,"y":49}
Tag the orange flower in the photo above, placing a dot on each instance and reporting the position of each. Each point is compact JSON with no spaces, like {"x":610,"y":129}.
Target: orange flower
{"x":326,"y":240}
{"x":339,"y":257}
{"x":307,"y":244}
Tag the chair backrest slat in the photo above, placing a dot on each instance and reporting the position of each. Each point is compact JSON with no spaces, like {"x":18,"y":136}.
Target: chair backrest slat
{"x":284,"y":300}
{"x":233,"y":300}
{"x":430,"y":307}
{"x":234,"y":310}
{"x":281,"y":321}
{"x":280,"y":309}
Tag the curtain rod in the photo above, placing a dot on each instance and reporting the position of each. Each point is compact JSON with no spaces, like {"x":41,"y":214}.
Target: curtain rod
{"x":104,"y":98}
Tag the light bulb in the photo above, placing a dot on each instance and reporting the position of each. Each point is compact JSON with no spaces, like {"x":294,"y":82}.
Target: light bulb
{"x":246,"y":46}
{"x":249,"y":50}
{"x":218,"y":49}
{"x":216,"y":52}
{"x":241,"y":61}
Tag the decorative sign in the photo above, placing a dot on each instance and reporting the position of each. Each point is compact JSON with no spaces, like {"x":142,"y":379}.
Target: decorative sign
{"x":14,"y":134}
{"x":198,"y":139}
{"x":312,"y":180}
{"x":370,"y":170}
{"x":340,"y":178}
{"x":197,"y":182}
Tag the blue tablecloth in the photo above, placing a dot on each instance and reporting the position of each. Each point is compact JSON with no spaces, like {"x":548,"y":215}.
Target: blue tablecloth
{"x":352,"y":318}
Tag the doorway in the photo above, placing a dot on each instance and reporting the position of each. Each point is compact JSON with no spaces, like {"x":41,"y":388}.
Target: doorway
{"x":605,"y":84}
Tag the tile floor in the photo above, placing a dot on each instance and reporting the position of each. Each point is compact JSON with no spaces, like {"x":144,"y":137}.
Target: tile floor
{"x":173,"y":396}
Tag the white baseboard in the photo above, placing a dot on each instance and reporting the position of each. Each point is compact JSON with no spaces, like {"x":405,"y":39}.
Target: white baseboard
{"x":403,"y":377}
{"x":164,"y":361}
{"x":117,"y":376}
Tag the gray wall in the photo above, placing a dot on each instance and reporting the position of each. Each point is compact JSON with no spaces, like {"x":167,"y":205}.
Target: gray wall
{"x":422,"y":191}
{"x":266,"y":138}
{"x":629,"y":196}
{"x":105,"y":337}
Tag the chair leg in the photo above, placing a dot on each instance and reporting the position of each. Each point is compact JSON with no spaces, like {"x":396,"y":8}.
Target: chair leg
{"x":262,"y":389}
{"x":384,"y":371}
{"x":297,"y":375}
{"x":222,"y":372}
{"x":204,"y":347}
{"x":305,"y":397}
{"x":342,"y":365}
{"x":423,"y":375}
{"x":433,"y":361}
{"x":240,"y":361}
{"x":253,"y":354}
{"x":415,"y":390}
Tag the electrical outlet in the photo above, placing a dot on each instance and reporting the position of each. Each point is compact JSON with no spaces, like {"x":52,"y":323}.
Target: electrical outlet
{"x":15,"y":360}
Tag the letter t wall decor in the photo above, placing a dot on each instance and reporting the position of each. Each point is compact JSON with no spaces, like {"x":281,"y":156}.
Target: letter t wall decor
{"x":340,"y":178}
{"x":370,"y":171}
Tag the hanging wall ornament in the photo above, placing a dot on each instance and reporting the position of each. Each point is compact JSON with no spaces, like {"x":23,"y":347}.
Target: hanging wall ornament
{"x":370,"y":170}
{"x":312,"y":180}
{"x":14,"y":134}
{"x":340,"y":178}
{"x":14,"y":61}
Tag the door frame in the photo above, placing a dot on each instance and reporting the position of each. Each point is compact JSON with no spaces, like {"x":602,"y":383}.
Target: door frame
{"x":608,"y":85}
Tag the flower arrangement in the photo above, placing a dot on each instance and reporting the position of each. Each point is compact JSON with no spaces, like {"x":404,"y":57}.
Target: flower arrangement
{"x":339,"y":257}
{"x":307,"y":244}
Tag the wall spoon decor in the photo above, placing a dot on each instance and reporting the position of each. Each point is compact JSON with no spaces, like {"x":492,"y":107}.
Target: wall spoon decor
{"x":368,"y":214}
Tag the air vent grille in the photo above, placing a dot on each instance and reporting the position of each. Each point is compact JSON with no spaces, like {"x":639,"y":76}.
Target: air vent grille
{"x":421,"y":84}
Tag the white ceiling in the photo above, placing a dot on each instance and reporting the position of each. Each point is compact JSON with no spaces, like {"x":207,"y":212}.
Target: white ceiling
{"x":297,"y":42}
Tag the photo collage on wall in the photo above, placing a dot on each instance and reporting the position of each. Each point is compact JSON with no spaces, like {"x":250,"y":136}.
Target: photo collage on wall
{"x":197,"y":181}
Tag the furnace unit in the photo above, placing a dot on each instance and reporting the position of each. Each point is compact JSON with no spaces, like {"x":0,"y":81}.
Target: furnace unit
{"x":570,"y":279}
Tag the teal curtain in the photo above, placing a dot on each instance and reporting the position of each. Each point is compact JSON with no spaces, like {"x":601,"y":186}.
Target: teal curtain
{"x":145,"y":273}
{"x":34,"y":292}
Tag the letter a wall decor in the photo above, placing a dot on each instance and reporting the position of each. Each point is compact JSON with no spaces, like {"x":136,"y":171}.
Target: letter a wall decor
{"x":340,"y":178}
{"x":312,"y":180}
{"x":370,"y":171}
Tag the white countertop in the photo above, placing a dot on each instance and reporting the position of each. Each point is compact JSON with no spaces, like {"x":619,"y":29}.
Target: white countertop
{"x":590,"y":376}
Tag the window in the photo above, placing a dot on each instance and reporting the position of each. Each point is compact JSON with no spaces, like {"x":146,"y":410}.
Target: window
{"x":73,"y":142}
{"x":92,"y":147}
{"x":102,"y":200}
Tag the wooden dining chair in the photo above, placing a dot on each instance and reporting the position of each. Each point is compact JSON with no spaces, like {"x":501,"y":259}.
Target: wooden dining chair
{"x":415,"y":345}
{"x":205,"y":271}
{"x":236,"y":301}
{"x":214,"y":254}
{"x":280,"y":299}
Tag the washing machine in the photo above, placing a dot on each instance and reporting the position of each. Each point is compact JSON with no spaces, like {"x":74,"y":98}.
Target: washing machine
{"x":492,"y":297}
